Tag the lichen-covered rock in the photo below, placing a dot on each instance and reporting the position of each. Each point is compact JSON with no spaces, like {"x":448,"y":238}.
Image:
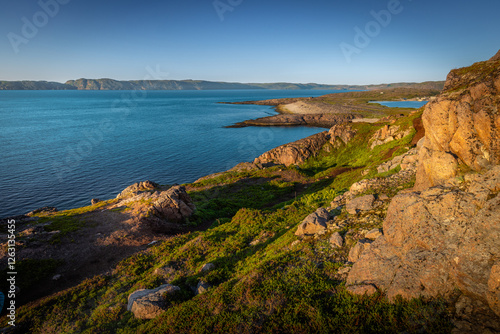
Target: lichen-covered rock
{"x":314,"y":223}
{"x":148,"y":304}
{"x":387,"y":134}
{"x":359,"y":204}
{"x":437,"y":240}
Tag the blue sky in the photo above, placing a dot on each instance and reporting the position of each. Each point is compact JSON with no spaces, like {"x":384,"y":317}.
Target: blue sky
{"x":245,"y":40}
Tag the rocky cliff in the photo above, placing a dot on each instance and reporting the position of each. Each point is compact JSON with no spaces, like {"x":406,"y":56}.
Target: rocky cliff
{"x":442,"y":237}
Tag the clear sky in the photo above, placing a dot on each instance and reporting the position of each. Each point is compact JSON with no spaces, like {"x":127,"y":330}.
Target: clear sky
{"x":245,"y":40}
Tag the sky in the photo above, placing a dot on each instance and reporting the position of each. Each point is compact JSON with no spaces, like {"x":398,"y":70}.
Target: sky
{"x":320,"y":41}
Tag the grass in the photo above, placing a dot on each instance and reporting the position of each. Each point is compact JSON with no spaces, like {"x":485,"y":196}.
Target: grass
{"x":263,"y":281}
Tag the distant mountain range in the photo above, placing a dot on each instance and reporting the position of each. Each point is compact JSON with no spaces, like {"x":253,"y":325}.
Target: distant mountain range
{"x":110,"y":84}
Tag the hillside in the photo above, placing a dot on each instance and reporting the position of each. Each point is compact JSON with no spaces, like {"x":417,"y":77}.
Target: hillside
{"x":34,"y":85}
{"x":384,"y":227}
{"x":110,"y":84}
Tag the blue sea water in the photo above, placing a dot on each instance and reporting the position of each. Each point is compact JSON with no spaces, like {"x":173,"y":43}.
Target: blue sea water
{"x":402,"y":104}
{"x":62,"y":148}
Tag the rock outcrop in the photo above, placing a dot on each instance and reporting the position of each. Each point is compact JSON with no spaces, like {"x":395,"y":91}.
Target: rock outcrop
{"x":442,"y":238}
{"x":462,"y":125}
{"x":170,"y":208}
{"x":387,"y":134}
{"x":296,"y":152}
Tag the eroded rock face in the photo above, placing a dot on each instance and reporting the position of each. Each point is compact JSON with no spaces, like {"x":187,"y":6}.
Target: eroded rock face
{"x":462,"y":125}
{"x":295,"y":153}
{"x":387,"y":134}
{"x":434,"y":241}
{"x":341,"y":134}
{"x":170,"y":209}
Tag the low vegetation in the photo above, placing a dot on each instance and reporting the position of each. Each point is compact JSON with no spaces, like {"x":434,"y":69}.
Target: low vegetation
{"x":264,"y":280}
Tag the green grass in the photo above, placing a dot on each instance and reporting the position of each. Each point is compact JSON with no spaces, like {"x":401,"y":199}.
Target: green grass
{"x":270,"y":286}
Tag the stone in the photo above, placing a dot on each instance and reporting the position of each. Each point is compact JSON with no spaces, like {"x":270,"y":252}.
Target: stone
{"x":148,"y":304}
{"x":462,"y":125}
{"x":336,"y":240}
{"x":295,"y":153}
{"x":202,"y":287}
{"x":435,"y":241}
{"x":56,"y":277}
{"x":313,"y":223}
{"x":207,"y":267}
{"x":374,"y":234}
{"x":94,"y":201}
{"x":363,"y":203}
{"x":170,"y":209}
{"x":137,"y":188}
{"x":360,"y":247}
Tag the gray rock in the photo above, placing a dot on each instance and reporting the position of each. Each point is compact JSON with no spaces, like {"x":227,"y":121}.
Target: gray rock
{"x":148,"y":304}
{"x":313,"y":223}
{"x":363,"y":203}
{"x":207,"y":267}
{"x":202,"y":287}
{"x":336,"y":240}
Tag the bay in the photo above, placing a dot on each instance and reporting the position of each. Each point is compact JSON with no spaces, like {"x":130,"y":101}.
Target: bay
{"x":62,"y":148}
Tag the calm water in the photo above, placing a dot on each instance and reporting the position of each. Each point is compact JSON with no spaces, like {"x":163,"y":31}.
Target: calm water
{"x":402,"y":104}
{"x":62,"y":148}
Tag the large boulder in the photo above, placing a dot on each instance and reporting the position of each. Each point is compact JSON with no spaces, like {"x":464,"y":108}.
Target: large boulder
{"x":148,"y":304}
{"x":170,"y":209}
{"x":462,"y":125}
{"x":295,"y":153}
{"x":439,"y":240}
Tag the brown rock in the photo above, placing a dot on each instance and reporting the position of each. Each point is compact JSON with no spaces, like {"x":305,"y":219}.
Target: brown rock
{"x":137,"y":188}
{"x":462,"y":124}
{"x":314,"y":223}
{"x":94,"y":201}
{"x":343,"y":132}
{"x":295,"y":153}
{"x":356,"y":252}
{"x":171,"y":208}
{"x":374,"y":234}
{"x":365,"y":289}
{"x":438,"y":240}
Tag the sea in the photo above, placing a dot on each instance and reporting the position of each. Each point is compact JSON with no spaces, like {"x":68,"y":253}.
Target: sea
{"x":63,"y":148}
